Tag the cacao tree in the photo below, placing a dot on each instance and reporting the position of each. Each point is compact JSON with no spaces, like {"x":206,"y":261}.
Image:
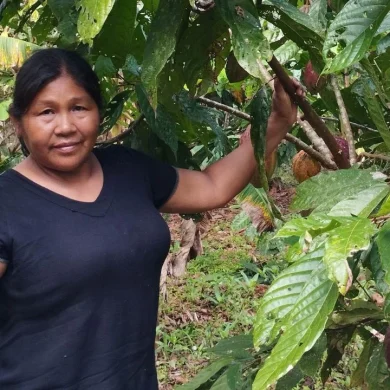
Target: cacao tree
{"x":181,"y":79}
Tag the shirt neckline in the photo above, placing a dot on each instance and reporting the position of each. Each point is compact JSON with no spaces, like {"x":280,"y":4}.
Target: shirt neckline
{"x":97,"y":208}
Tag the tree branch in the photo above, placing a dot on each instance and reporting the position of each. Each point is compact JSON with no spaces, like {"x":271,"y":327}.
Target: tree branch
{"x":289,"y":137}
{"x":310,"y":115}
{"x":27,"y":15}
{"x":317,"y":141}
{"x":127,"y":132}
{"x":344,"y":119}
{"x":375,"y":156}
{"x":353,"y":124}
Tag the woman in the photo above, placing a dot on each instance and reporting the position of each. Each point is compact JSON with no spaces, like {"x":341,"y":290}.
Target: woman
{"x":82,"y":241}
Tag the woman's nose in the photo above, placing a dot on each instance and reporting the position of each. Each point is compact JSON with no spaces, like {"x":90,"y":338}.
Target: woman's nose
{"x":65,"y":124}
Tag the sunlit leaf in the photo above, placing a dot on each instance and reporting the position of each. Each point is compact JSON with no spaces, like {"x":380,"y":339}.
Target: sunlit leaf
{"x":92,"y":16}
{"x":14,"y":51}
{"x":306,"y":322}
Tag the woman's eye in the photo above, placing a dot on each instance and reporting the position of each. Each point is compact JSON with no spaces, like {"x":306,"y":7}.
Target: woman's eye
{"x":47,"y":112}
{"x":78,"y":108}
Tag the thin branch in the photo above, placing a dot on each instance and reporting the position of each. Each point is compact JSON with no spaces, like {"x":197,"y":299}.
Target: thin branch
{"x":223,"y":107}
{"x":353,"y":124}
{"x":317,"y":141}
{"x":344,"y":119}
{"x":27,"y":15}
{"x":123,"y":135}
{"x":375,"y":156}
{"x":310,"y":151}
{"x":289,"y":137}
{"x":310,"y":115}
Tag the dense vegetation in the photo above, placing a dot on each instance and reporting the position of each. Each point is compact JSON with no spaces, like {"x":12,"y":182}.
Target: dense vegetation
{"x":181,"y":80}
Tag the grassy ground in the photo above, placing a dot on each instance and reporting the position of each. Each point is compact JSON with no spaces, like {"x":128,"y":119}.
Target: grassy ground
{"x":218,"y":298}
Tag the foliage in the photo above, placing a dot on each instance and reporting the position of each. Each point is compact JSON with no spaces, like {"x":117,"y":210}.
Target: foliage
{"x":155,"y":59}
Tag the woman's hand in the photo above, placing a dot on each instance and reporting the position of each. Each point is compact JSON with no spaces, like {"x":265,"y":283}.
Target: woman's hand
{"x":284,"y":110}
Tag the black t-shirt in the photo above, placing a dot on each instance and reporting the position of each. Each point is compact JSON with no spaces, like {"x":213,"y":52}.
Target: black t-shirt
{"x":79,"y":298}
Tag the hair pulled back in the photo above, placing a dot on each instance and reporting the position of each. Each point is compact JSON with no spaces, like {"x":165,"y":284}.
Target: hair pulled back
{"x":45,"y":66}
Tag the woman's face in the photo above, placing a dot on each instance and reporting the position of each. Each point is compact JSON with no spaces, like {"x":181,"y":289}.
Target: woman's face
{"x":60,"y":128}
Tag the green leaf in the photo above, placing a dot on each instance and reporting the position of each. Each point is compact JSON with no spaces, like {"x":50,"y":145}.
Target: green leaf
{"x":383,"y":242}
{"x":376,"y":113}
{"x":342,"y":243}
{"x":318,"y":12}
{"x":385,"y":208}
{"x":113,"y":111}
{"x":61,"y":8}
{"x":160,"y":121}
{"x":92,"y":16}
{"x":297,"y":26}
{"x":197,"y":45}
{"x":46,"y":22}
{"x":307,"y":366}
{"x":161,"y":43}
{"x":205,"y":374}
{"x":326,"y":189}
{"x":315,"y":225}
{"x":104,"y":67}
{"x":281,"y":297}
{"x":14,"y":51}
{"x":305,"y":325}
{"x":4,"y":105}
{"x":233,"y":345}
{"x":204,"y":115}
{"x":151,"y":5}
{"x":260,"y":110}
{"x":363,"y":203}
{"x":357,"y":378}
{"x":249,"y":44}
{"x":377,"y":372}
{"x":234,"y":377}
{"x":356,"y":316}
{"x":114,"y":40}
{"x":374,"y":264}
{"x":355,"y":25}
{"x":288,"y":51}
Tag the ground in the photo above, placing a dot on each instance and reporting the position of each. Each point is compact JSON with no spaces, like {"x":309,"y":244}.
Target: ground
{"x":218,"y":298}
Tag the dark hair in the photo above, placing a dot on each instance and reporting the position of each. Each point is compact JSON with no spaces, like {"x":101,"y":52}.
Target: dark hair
{"x":46,"y":65}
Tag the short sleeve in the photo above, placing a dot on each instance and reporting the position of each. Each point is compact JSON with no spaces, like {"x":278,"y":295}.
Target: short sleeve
{"x":5,"y":240}
{"x":162,"y":177}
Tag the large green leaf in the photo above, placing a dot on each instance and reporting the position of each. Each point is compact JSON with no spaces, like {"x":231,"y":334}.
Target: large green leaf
{"x":383,"y":242}
{"x":286,"y":52}
{"x":92,"y":16}
{"x":307,"y":366}
{"x":235,"y":346}
{"x":161,"y":43}
{"x":281,"y":297}
{"x":325,"y":190}
{"x":342,"y":243}
{"x":355,"y":26}
{"x":249,"y":44}
{"x":205,"y":374}
{"x":377,"y":374}
{"x":14,"y":51}
{"x":304,"y":326}
{"x":318,"y":12}
{"x":160,"y":121}
{"x":376,"y":113}
{"x":315,"y":225}
{"x":297,"y":26}
{"x":363,"y":203}
{"x":205,"y":115}
{"x":198,"y":45}
{"x":260,"y":110}
{"x":115,"y":37}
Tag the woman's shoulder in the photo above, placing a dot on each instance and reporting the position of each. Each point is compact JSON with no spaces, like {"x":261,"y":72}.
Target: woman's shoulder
{"x":120,"y":154}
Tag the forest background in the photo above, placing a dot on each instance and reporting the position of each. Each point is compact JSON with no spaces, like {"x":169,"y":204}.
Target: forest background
{"x":182,"y":80}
